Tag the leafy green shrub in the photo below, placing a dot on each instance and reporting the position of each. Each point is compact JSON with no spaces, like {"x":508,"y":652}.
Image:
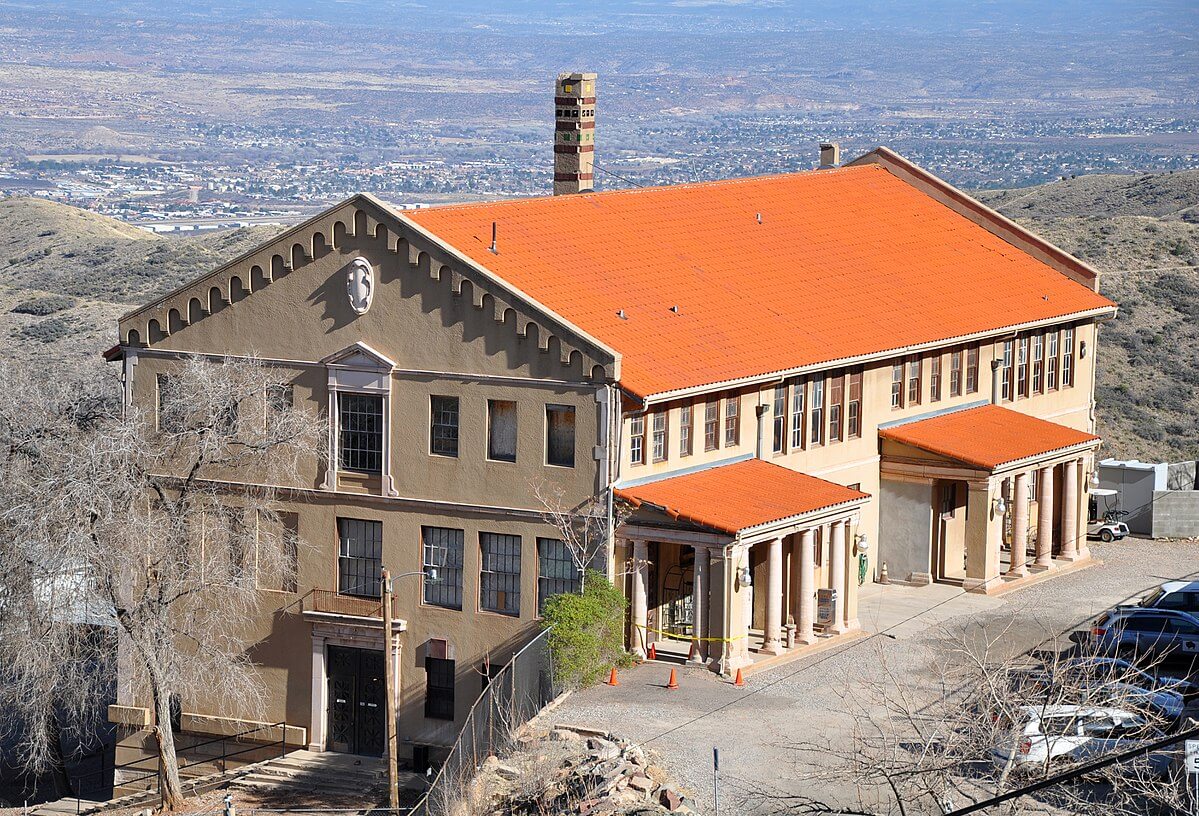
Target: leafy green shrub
{"x":42,"y":306}
{"x":588,"y":631}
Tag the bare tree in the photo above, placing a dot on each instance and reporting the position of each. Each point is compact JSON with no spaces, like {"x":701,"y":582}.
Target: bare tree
{"x":158,"y":526}
{"x":583,"y":526}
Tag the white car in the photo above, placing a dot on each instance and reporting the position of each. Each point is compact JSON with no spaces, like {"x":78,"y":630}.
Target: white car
{"x":1047,"y":733}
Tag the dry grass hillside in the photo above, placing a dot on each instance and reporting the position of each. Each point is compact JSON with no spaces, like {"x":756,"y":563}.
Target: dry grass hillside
{"x":66,"y":274}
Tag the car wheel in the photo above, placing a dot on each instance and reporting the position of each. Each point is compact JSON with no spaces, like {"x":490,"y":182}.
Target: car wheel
{"x":1105,"y":535}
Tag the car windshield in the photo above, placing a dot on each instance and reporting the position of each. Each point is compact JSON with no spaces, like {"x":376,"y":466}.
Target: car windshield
{"x":1153,"y":597}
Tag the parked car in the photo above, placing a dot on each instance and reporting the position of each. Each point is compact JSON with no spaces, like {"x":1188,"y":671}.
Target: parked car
{"x":1075,"y":684}
{"x":1063,"y":733}
{"x":1180,"y":595}
{"x":1108,"y":669}
{"x":1145,"y":633}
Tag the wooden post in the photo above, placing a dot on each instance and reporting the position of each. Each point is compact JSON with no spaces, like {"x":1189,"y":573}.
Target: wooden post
{"x":393,"y":793}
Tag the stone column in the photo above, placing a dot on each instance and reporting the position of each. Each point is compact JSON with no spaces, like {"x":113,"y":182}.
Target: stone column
{"x":805,"y":632}
{"x":837,"y":553}
{"x":1019,"y":513}
{"x":772,"y":642}
{"x":1070,"y":511}
{"x":316,"y":735}
{"x":984,"y":533}
{"x":699,"y":602}
{"x":640,"y":611}
{"x":1044,"y":519}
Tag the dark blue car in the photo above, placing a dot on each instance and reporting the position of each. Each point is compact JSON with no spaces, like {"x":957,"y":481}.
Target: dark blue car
{"x":1142,"y":633}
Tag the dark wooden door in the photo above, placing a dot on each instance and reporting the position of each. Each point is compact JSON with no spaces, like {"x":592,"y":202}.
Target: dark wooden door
{"x":357,"y":701}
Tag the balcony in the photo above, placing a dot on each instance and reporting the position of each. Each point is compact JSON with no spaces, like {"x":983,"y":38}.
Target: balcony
{"x":328,"y":604}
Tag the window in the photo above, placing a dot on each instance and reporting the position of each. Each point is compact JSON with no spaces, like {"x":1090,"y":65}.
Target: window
{"x":836,"y":397}
{"x":972,"y":370}
{"x":560,"y":435}
{"x":914,"y":381}
{"x":280,"y":398}
{"x":732,"y":421}
{"x":1038,"y":363}
{"x":170,"y":407}
{"x":360,"y":557}
{"x":1051,"y":362}
{"x":1022,"y":366}
{"x":955,"y":373}
{"x":1068,"y":358}
{"x":499,"y":579}
{"x":797,"y":414}
{"x":637,"y":440}
{"x":501,"y":430}
{"x":686,"y":426}
{"x":1005,"y":373}
{"x":443,"y":432}
{"x":897,"y":386}
{"x":934,"y":378}
{"x":443,"y":552}
{"x":779,"y":419}
{"x":711,"y":425}
{"x":556,"y":570}
{"x":659,"y":440}
{"x":816,"y":435}
{"x":360,"y":433}
{"x":439,"y":688}
{"x":854,"y":408}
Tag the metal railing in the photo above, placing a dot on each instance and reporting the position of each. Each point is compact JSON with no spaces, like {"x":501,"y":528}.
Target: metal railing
{"x":520,"y":690}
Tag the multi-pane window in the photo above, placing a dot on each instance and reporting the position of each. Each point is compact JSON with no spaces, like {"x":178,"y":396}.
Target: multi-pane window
{"x":1051,"y":362}
{"x":499,"y":578}
{"x":360,"y":557}
{"x":897,"y":385}
{"x":637,"y":440}
{"x":443,"y":553}
{"x":360,"y":432}
{"x":439,"y":688}
{"x":686,"y":429}
{"x":443,"y":431}
{"x":711,"y":425}
{"x":1068,"y":357}
{"x":1038,"y":363}
{"x":278,"y":572}
{"x":659,"y":439}
{"x":1005,"y":371}
{"x":501,"y":430}
{"x":836,"y":398}
{"x":955,"y":373}
{"x":556,"y":570}
{"x":1022,"y":366}
{"x":779,"y":419}
{"x":560,"y":435}
{"x":972,"y":369}
{"x":797,"y":414}
{"x":934,"y":378}
{"x":816,"y":434}
{"x":854,"y":406}
{"x":732,"y":421}
{"x":914,"y":383}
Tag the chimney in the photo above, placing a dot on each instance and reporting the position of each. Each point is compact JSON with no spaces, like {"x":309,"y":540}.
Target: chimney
{"x":830,"y":155}
{"x":574,"y":133}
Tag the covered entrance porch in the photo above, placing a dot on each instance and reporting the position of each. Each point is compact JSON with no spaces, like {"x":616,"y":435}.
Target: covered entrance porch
{"x":981,"y":497}
{"x":738,"y":563}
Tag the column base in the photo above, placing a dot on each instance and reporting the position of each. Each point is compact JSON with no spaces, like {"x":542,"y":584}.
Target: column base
{"x":772,"y":647}
{"x":737,"y":661}
{"x":980,"y":585}
{"x":697,"y":656}
{"x":1034,"y":568}
{"x":1072,"y":557}
{"x":316,"y":747}
{"x":852,"y":625}
{"x":838,"y":629}
{"x":806,"y":640}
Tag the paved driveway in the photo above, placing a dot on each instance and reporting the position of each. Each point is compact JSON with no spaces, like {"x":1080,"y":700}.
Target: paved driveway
{"x":803,"y":700}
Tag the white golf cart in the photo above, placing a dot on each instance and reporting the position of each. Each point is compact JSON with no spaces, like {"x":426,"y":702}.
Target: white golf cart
{"x":1104,"y":514}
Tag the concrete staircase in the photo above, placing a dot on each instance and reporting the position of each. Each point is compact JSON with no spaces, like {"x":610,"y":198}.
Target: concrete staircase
{"x":326,"y":773}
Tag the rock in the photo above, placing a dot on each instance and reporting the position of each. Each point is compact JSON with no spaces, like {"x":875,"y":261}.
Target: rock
{"x":602,"y":749}
{"x":564,"y":735}
{"x":641,"y":783}
{"x":670,"y":799}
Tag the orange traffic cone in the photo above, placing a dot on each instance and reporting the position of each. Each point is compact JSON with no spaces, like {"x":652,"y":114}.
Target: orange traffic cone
{"x":739,"y":681}
{"x":691,"y":653}
{"x":612,"y":681}
{"x":653,"y":653}
{"x":673,"y":683}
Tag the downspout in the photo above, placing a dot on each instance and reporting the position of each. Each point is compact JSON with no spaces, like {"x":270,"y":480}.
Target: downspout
{"x":761,"y":410}
{"x":996,"y":393}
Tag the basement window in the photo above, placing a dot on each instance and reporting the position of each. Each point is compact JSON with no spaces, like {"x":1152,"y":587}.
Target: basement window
{"x":439,"y":688}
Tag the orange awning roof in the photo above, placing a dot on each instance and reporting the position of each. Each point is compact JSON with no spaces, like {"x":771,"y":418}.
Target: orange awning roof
{"x":988,"y":436}
{"x":843,"y":263}
{"x":731,"y":498}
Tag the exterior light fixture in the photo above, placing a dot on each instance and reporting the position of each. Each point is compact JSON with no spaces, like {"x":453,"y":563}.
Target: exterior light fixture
{"x":862,"y":542}
{"x":1000,"y":505}
{"x":744,"y":576}
{"x":1094,"y":478}
{"x":431,"y":574}
{"x":1082,"y":350}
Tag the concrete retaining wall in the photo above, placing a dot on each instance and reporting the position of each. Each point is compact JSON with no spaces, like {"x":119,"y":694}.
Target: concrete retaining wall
{"x":1176,"y":514}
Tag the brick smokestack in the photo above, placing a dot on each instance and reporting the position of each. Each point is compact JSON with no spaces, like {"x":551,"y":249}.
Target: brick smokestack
{"x":574,"y":133}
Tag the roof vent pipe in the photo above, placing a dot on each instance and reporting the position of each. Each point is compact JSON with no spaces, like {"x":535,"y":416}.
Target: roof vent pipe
{"x":494,"y":248}
{"x":996,"y":390}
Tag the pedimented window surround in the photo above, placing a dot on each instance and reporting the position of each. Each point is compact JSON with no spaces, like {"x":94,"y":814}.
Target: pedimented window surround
{"x":359,"y":369}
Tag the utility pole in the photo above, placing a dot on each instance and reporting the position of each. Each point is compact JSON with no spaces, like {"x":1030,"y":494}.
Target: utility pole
{"x":393,"y":793}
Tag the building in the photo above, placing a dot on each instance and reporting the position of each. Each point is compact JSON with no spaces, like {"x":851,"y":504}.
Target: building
{"x":776,"y":385}
{"x":574,"y":133}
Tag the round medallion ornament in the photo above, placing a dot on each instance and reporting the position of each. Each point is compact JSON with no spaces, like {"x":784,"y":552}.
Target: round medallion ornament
{"x":360,"y":285}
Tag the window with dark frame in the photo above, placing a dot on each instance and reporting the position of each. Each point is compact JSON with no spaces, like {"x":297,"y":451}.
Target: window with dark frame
{"x":816,"y":428}
{"x":934,"y":378}
{"x":1005,"y":371}
{"x":1051,"y":361}
{"x":914,"y":381}
{"x":854,"y":406}
{"x":711,"y":425}
{"x":779,"y":419}
{"x":443,"y":551}
{"x":660,"y":435}
{"x":686,"y":429}
{"x":360,"y":557}
{"x":360,"y":432}
{"x":896,"y":386}
{"x":556,"y":571}
{"x":499,"y":574}
{"x":443,"y":426}
{"x":1068,"y":357}
{"x":732,"y":421}
{"x":836,"y":399}
{"x":972,"y":370}
{"x":797,"y":414}
{"x":560,"y":435}
{"x":501,"y":430}
{"x":1038,"y":363}
{"x":637,"y":440}
{"x":1022,"y":366}
{"x":955,"y":373}
{"x":439,"y":688}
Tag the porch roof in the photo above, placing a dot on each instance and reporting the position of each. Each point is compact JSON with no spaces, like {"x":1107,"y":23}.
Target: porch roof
{"x":736,"y":497}
{"x":988,"y":436}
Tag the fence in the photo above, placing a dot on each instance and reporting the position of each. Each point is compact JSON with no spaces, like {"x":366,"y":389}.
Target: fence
{"x":513,"y":697}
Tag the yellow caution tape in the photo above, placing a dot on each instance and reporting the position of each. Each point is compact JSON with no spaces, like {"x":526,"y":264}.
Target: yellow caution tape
{"x":681,"y":636}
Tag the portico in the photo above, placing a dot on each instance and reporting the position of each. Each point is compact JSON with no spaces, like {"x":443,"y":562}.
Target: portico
{"x":731,"y":560}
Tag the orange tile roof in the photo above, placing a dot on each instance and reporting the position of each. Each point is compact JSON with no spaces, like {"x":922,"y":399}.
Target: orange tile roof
{"x":987,"y":436}
{"x":745,"y":494}
{"x":844,"y":262}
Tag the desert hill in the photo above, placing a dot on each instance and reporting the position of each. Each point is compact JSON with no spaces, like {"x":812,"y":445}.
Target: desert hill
{"x":66,"y":275}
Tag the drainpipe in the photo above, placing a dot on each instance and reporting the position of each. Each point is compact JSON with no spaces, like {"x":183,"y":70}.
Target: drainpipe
{"x":996,"y":391}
